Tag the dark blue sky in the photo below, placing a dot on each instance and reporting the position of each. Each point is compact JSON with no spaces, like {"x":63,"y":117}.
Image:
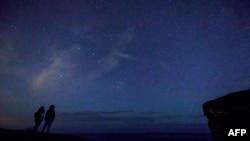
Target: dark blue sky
{"x":120,"y":66}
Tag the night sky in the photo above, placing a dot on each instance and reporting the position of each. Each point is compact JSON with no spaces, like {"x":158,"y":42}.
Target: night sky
{"x":120,"y":65}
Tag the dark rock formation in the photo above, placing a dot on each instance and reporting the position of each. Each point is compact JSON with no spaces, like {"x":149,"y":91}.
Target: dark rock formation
{"x":231,"y":111}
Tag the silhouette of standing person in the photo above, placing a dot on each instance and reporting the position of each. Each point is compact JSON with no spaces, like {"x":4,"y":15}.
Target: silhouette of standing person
{"x":49,"y":118}
{"x":39,"y":115}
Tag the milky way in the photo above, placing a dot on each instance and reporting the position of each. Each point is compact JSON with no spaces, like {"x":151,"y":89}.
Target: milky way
{"x":123,"y":65}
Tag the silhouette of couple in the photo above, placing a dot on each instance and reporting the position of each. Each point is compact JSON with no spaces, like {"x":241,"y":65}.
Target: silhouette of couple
{"x":49,"y":118}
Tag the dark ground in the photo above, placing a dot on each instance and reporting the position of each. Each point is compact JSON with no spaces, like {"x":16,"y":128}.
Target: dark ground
{"x":17,"y":135}
{"x":147,"y":136}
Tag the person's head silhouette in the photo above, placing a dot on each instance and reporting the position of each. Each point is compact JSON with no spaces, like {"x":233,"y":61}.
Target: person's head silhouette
{"x":41,"y":109}
{"x":52,"y":107}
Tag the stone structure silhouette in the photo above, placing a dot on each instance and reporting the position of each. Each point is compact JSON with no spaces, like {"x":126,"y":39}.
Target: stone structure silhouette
{"x":231,"y":111}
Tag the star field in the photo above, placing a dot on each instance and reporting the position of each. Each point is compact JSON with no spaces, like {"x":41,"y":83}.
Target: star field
{"x":111,"y":62}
